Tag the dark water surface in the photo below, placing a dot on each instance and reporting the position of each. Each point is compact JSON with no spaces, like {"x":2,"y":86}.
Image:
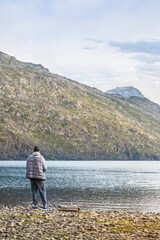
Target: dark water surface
{"x":96,"y":185}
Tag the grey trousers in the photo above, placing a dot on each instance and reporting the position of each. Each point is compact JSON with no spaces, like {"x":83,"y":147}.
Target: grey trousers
{"x":38,"y":185}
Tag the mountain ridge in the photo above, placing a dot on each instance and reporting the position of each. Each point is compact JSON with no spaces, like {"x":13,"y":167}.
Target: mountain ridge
{"x":70,"y":120}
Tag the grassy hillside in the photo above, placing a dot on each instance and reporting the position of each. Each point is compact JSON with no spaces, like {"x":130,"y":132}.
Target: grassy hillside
{"x":69,"y":120}
{"x":146,"y":106}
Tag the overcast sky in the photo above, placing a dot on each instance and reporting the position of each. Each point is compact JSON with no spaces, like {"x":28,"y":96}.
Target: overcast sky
{"x":101,"y":43}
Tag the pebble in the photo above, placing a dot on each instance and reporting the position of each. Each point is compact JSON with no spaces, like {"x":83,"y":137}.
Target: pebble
{"x":20,"y":222}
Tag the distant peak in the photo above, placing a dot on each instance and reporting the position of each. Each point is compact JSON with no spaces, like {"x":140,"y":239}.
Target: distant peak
{"x":126,"y":92}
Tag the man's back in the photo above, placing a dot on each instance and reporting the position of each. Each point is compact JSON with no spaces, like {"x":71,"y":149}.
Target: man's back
{"x":36,"y":166}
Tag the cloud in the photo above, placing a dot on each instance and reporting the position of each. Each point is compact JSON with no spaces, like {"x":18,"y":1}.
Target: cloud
{"x":147,"y":58}
{"x":97,"y":41}
{"x":90,"y":48}
{"x":93,"y":44}
{"x":147,"y":47}
{"x":152,"y":69}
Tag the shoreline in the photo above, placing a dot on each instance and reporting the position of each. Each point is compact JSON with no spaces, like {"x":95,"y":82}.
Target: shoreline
{"x":23,"y":222}
{"x":85,"y":160}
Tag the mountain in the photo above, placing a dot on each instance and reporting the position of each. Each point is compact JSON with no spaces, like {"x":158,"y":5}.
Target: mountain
{"x":126,"y":92}
{"x":70,"y":120}
{"x":146,"y":106}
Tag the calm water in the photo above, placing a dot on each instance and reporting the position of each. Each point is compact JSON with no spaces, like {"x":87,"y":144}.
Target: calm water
{"x":96,"y":185}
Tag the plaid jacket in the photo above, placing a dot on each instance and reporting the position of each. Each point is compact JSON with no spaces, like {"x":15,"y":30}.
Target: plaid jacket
{"x":36,"y":166}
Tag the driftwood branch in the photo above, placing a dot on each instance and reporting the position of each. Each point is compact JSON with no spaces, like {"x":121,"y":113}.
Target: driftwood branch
{"x":68,"y":208}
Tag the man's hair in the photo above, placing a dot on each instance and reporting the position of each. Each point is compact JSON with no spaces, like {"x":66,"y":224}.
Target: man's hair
{"x":36,"y":149}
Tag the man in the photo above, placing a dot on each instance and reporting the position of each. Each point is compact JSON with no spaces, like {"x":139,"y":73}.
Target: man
{"x":36,"y":168}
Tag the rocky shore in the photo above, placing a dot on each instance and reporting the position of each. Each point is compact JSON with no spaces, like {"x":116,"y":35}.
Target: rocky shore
{"x":21,"y":222}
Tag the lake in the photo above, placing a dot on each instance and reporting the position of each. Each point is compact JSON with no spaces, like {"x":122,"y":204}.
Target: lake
{"x":92,"y":185}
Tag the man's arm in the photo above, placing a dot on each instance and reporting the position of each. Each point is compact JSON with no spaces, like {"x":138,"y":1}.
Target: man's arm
{"x":44,"y":164}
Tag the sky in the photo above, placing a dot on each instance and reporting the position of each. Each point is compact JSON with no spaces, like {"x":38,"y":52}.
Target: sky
{"x":101,"y":43}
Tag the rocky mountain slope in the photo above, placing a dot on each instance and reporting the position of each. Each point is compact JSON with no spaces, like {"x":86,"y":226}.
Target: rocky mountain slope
{"x":70,"y":120}
{"x":126,"y":92}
